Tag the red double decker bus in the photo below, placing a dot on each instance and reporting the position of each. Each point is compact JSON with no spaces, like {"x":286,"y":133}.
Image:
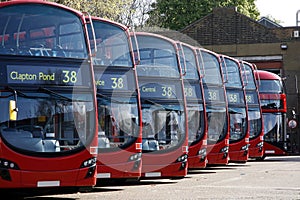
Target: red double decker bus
{"x":118,"y":100}
{"x":48,"y":132}
{"x":256,"y":134}
{"x":216,"y":109}
{"x":165,"y":138}
{"x":197,"y":121}
{"x":238,"y":110}
{"x":273,"y":104}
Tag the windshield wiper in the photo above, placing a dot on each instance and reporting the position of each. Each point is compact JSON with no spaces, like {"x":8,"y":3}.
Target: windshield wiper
{"x":111,"y":99}
{"x":152,"y":102}
{"x":47,"y":91}
{"x":15,"y":92}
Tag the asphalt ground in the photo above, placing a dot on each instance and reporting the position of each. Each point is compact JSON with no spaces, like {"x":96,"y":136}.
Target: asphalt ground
{"x":273,"y":178}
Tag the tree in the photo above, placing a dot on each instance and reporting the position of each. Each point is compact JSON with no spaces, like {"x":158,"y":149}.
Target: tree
{"x":270,"y":17}
{"x":176,"y":14}
{"x":137,"y":15}
{"x":109,"y":9}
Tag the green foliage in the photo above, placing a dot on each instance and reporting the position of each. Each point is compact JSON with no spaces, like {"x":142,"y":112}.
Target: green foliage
{"x":177,"y":14}
{"x":109,"y":9}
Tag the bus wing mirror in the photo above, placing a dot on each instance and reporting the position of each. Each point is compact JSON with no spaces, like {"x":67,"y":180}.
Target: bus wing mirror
{"x":13,"y":110}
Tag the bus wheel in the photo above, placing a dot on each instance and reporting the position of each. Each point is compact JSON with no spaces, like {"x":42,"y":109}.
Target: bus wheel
{"x":261,"y":158}
{"x":85,"y":189}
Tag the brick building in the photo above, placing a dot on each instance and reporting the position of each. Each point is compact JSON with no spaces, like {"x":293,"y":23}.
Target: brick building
{"x":274,"y":48}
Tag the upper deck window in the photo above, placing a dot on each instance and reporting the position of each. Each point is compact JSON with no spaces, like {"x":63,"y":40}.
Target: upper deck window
{"x":112,"y":45}
{"x":231,"y":73}
{"x":270,"y":86}
{"x":39,"y":30}
{"x":158,"y":57}
{"x":212,"y":73}
{"x":191,"y":64}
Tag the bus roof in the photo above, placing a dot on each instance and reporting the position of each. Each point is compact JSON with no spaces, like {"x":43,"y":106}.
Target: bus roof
{"x":266,"y":75}
{"x":108,"y":21}
{"x":156,"y":35}
{"x":15,"y":2}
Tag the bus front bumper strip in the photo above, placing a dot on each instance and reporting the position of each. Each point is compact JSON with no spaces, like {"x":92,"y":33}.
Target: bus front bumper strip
{"x":6,"y":165}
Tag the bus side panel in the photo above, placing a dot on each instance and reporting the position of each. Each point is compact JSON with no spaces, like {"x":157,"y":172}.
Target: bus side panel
{"x":272,"y":150}
{"x":256,"y":150}
{"x":165,"y":164}
{"x":173,"y":170}
{"x":236,"y":153}
{"x":196,"y":160}
{"x":215,"y":156}
{"x":33,"y":169}
{"x":118,"y":164}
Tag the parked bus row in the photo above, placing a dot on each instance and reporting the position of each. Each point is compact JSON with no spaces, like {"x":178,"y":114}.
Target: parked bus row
{"x":86,"y":100}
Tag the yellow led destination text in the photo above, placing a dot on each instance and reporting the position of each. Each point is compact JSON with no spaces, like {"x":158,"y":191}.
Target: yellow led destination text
{"x":117,"y":83}
{"x":148,"y":89}
{"x":233,"y":98}
{"x":68,"y":76}
{"x":14,"y":75}
{"x":189,"y":91}
{"x":212,"y":95}
{"x":100,"y":83}
{"x":249,"y":99}
{"x":23,"y":77}
{"x":167,"y":91}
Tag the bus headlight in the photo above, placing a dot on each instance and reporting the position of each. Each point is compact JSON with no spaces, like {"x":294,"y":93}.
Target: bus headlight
{"x":260,"y":144}
{"x":245,"y":147}
{"x":135,"y":157}
{"x":224,"y":149}
{"x":89,"y":163}
{"x":182,"y":158}
{"x":202,"y":152}
{"x":7,"y":164}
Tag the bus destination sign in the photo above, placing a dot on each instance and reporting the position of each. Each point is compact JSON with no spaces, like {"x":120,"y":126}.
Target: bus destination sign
{"x":158,"y":90}
{"x":212,"y":95}
{"x":47,"y":75}
{"x":192,"y":91}
{"x":234,"y":97}
{"x":113,"y":81}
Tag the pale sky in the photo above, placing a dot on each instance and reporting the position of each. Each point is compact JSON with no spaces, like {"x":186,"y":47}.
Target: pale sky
{"x":283,"y":10}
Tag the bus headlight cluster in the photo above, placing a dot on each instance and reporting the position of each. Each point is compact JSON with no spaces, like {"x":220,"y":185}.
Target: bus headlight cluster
{"x":89,"y":163}
{"x":224,"y":149}
{"x":260,"y":144}
{"x":202,"y":152}
{"x":245,"y":147}
{"x":135,"y":157}
{"x":7,"y":164}
{"x":137,"y":160}
{"x":182,"y":158}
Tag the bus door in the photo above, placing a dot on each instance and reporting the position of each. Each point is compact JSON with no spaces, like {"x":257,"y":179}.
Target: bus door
{"x":165,"y":141}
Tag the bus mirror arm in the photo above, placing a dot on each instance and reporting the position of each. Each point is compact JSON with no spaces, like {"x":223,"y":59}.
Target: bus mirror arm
{"x":93,"y":54}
